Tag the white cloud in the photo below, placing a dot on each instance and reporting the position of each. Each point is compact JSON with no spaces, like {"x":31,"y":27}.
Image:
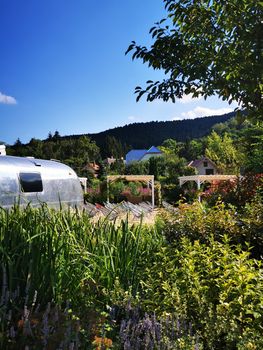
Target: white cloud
{"x":189,"y":98}
{"x":204,"y":112}
{"x":135,"y":119}
{"x":8,"y":100}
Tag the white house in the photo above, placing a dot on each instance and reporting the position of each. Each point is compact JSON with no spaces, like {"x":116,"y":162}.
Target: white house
{"x":204,"y":166}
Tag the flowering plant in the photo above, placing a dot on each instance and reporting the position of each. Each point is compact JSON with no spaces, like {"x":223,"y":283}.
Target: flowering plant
{"x":237,"y":192}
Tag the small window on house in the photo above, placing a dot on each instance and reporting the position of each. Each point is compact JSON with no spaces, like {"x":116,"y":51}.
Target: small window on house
{"x":205,"y":164}
{"x":209,"y":171}
{"x":31,"y":182}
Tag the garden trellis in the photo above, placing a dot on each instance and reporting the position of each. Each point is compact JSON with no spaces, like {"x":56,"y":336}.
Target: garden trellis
{"x":148,"y":179}
{"x":200,"y":179}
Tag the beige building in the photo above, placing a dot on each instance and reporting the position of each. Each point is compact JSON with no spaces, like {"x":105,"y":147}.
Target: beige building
{"x":204,"y":166}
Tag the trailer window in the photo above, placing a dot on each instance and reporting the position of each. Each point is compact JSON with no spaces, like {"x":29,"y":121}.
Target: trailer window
{"x":31,"y":182}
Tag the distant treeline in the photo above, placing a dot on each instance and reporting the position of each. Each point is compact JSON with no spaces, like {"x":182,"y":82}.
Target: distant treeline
{"x":78,"y":150}
{"x":144,"y":135}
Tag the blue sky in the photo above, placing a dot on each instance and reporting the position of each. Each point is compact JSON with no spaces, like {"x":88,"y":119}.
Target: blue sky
{"x":63,"y":67}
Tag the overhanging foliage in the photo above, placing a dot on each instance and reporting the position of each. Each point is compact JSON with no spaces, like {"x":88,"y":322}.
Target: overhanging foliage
{"x":206,"y":48}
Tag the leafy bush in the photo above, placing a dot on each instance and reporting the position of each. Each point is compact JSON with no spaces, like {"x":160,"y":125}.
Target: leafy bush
{"x":134,"y":188}
{"x":199,"y":222}
{"x":215,"y":286}
{"x":171,"y":193}
{"x":115,"y":191}
{"x":250,"y":222}
{"x":236,"y":192}
{"x":96,"y":192}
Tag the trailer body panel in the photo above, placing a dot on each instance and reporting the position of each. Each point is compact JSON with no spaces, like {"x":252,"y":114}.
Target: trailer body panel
{"x":37,"y":181}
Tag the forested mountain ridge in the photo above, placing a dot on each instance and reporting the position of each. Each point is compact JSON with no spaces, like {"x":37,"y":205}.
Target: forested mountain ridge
{"x":143,"y":135}
{"x":230,"y":142}
{"x":77,"y":150}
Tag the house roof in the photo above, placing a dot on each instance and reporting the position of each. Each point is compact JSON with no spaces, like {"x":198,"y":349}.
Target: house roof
{"x":195,"y":163}
{"x":153,"y":149}
{"x":137,"y":154}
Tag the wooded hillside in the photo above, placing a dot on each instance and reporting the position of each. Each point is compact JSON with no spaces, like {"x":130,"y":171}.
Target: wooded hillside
{"x":143,"y":135}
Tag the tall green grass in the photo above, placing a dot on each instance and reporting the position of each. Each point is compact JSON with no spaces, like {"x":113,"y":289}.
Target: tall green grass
{"x":64,"y":256}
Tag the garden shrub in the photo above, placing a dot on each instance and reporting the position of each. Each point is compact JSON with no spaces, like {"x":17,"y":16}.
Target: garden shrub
{"x":236,"y":192}
{"x":171,"y":192}
{"x":134,"y":188}
{"x":115,"y":191}
{"x":217,"y":287}
{"x":200,"y":221}
{"x":97,"y":192}
{"x":157,"y":193}
{"x":250,"y":222}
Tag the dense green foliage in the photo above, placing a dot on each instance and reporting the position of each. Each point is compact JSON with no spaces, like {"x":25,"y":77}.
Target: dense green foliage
{"x":74,"y":152}
{"x":215,"y":286}
{"x":251,"y":144}
{"x":193,"y":272}
{"x":207,"y":48}
{"x":200,"y":221}
{"x":63,"y":255}
{"x":223,"y":153}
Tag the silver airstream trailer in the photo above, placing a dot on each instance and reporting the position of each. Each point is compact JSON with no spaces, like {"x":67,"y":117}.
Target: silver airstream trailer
{"x":36,"y":181}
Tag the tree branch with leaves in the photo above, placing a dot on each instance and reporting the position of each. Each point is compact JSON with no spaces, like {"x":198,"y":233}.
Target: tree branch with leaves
{"x":206,"y":48}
